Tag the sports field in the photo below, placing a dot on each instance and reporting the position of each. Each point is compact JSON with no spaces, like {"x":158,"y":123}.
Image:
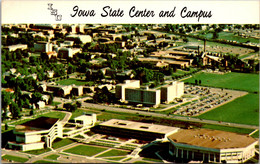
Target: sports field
{"x":243,"y":110}
{"x":75,"y":81}
{"x":238,"y":81}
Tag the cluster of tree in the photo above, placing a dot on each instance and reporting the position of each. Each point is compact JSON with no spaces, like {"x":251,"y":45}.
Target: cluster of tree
{"x":103,"y":96}
{"x":16,"y":101}
{"x":27,"y":83}
{"x":94,"y":76}
{"x":72,"y":107}
{"x":146,"y":75}
{"x":25,"y":38}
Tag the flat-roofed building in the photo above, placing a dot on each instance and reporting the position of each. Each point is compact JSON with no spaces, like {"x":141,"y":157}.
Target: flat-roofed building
{"x":68,"y":52}
{"x":211,"y":146}
{"x":138,"y":130}
{"x":143,"y":96}
{"x":86,"y":120}
{"x":36,"y":134}
{"x":76,"y":38}
{"x":172,"y":91}
{"x":42,"y":46}
{"x":120,"y":88}
{"x":17,"y":46}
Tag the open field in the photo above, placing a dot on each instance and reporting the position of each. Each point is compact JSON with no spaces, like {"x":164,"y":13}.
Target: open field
{"x":60,"y":143}
{"x":37,"y":152}
{"x":238,"y":81}
{"x":59,"y":115}
{"x":14,"y":158}
{"x":43,"y":161}
{"x":52,"y":157}
{"x":219,"y":47}
{"x":85,"y":150}
{"x":228,"y":129}
{"x":75,"y":81}
{"x":243,"y":110}
{"x":231,"y":36}
{"x":113,"y":152}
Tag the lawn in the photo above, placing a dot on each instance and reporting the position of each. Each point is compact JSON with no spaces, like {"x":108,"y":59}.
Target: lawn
{"x":228,"y":129}
{"x":114,"y":152}
{"x":54,"y":103}
{"x":243,"y":110}
{"x":14,"y":158}
{"x":85,"y":150}
{"x":115,"y":158}
{"x":231,"y":36}
{"x":238,"y":81}
{"x":52,"y":157}
{"x":37,"y":152}
{"x":60,"y":143}
{"x":43,"y":161}
{"x":58,"y":115}
{"x":75,"y":81}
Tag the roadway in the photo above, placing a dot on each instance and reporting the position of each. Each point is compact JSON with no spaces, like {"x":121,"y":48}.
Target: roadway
{"x":153,"y":114}
{"x":160,"y":115}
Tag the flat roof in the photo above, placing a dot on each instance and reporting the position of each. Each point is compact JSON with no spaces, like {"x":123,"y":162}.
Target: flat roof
{"x":132,"y":125}
{"x":215,"y":139}
{"x":41,"y":123}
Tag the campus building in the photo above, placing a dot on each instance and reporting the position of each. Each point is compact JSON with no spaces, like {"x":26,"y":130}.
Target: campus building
{"x":137,"y":130}
{"x":36,"y":134}
{"x":172,"y":91}
{"x":131,"y":92}
{"x":211,"y":146}
{"x":17,"y":46}
{"x":42,"y":46}
{"x":82,"y":38}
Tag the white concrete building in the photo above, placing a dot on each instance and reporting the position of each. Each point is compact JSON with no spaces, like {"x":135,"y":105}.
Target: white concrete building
{"x":36,"y":134}
{"x":86,"y":120}
{"x":211,"y":146}
{"x":120,"y":88}
{"x":83,"y":38}
{"x":68,"y":52}
{"x":17,"y":46}
{"x":172,"y":91}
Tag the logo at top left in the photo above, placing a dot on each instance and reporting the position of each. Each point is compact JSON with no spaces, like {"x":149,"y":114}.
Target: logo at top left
{"x":54,"y":12}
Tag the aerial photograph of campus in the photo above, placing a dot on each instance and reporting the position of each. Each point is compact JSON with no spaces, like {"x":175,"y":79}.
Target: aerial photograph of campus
{"x":130,"y":93}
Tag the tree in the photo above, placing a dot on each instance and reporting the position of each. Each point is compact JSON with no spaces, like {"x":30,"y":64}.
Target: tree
{"x":15,"y":110}
{"x":50,"y":99}
{"x":36,"y":97}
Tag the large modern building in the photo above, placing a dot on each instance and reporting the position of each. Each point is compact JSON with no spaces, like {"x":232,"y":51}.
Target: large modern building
{"x":83,"y":38}
{"x":131,"y":92}
{"x":211,"y":146}
{"x":42,"y":46}
{"x":137,"y":130}
{"x":36,"y":134}
{"x":172,"y":91}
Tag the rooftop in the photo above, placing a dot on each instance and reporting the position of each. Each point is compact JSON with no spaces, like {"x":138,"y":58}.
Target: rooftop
{"x":41,"y":123}
{"x":132,"y":125}
{"x":215,"y":139}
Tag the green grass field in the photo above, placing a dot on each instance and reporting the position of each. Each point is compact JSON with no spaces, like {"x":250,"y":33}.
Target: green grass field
{"x":228,"y":129}
{"x":85,"y":150}
{"x":58,"y":115}
{"x":238,"y":81}
{"x":60,"y":143}
{"x":75,"y":81}
{"x":113,"y":152}
{"x":115,"y":158}
{"x":243,"y":110}
{"x":231,"y":36}
{"x":14,"y":158}
{"x":37,"y":152}
{"x":43,"y":161}
{"x":52,"y":157}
